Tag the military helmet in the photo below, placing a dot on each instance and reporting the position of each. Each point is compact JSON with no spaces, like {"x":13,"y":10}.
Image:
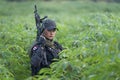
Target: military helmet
{"x":49,"y":24}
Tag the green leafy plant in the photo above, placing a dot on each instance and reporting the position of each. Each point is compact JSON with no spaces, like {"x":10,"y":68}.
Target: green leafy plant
{"x":89,"y":32}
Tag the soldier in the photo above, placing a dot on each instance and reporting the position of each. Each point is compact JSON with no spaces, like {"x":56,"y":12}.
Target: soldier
{"x":45,"y":48}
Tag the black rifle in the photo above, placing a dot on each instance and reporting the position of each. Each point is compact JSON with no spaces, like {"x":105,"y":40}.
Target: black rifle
{"x":39,"y":32}
{"x":38,"y":23}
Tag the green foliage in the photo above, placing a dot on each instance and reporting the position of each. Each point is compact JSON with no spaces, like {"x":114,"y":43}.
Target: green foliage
{"x":90,"y":32}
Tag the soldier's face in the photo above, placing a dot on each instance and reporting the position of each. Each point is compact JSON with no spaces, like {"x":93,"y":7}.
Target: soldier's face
{"x":50,"y":34}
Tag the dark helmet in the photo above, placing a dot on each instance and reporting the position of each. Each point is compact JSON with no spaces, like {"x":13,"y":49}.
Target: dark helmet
{"x":49,"y":24}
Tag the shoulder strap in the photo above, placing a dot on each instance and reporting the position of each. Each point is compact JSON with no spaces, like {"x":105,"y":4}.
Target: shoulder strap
{"x":58,"y":46}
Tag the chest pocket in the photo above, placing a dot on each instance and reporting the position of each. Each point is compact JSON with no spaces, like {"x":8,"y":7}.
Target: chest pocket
{"x":52,"y":49}
{"x":53,"y":52}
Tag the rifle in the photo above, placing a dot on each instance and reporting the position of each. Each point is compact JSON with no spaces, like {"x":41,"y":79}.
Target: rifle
{"x":38,"y":21}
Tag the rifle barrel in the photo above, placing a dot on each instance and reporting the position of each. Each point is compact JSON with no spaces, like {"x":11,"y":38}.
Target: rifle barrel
{"x":35,"y":9}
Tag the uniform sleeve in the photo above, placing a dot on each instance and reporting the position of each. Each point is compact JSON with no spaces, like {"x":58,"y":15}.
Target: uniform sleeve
{"x":37,"y":56}
{"x":58,"y":46}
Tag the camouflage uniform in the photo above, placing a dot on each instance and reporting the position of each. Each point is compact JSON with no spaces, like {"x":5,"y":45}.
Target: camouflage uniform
{"x":42,"y":54}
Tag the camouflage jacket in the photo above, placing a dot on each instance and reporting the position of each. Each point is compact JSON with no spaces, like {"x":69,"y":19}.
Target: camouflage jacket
{"x":42,"y":54}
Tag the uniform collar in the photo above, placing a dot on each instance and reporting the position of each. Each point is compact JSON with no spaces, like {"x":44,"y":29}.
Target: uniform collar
{"x":46,"y":38}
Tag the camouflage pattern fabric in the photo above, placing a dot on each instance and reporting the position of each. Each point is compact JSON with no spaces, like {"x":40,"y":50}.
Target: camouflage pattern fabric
{"x":43,"y":53}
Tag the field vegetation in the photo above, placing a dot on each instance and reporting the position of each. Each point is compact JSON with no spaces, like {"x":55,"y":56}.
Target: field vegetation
{"x":90,"y":32}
